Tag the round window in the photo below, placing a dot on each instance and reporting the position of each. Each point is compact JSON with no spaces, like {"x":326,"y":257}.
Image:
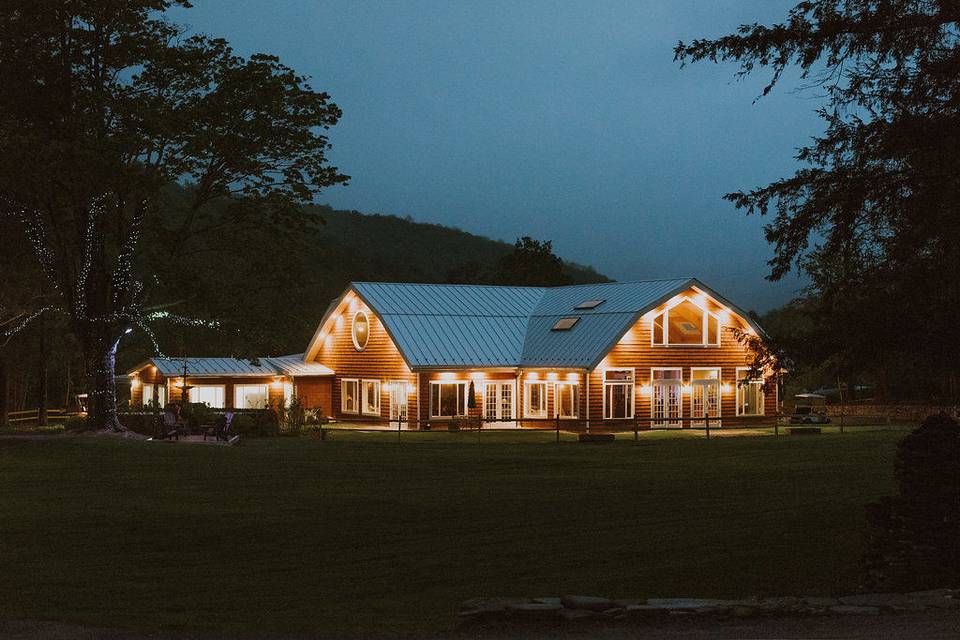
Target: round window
{"x":361,"y":330}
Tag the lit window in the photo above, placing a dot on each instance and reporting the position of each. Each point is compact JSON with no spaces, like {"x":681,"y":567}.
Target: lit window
{"x":749,"y":394}
{"x":209,"y":394}
{"x":251,"y":396}
{"x":535,"y":399}
{"x":564,"y":324}
{"x":617,"y":394}
{"x":371,"y":397}
{"x":448,"y":399}
{"x":147,"y":398}
{"x":568,"y":399}
{"x":360,"y":330}
{"x":589,"y":304}
{"x":161,"y":396}
{"x":686,"y":324}
{"x":350,"y":396}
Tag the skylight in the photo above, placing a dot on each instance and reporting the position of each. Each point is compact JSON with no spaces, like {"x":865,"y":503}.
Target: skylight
{"x":589,"y":304}
{"x":564,"y":324}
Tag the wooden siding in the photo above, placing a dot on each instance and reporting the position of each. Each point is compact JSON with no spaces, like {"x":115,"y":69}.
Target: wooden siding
{"x":315,"y":392}
{"x":150,"y":375}
{"x":379,"y":360}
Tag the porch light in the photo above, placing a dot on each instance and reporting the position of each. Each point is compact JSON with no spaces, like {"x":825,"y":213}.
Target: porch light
{"x":277,"y":383}
{"x":727,"y":388}
{"x":573,"y":377}
{"x":533,"y":375}
{"x":552,"y":375}
{"x":647,"y":389}
{"x":687,"y":388}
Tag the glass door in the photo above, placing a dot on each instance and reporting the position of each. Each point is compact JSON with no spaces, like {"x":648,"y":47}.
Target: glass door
{"x":665,"y":407}
{"x":704,"y":395}
{"x":398,"y":401}
{"x":498,"y":402}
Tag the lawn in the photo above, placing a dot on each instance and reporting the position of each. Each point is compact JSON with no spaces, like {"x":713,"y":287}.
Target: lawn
{"x":360,"y":534}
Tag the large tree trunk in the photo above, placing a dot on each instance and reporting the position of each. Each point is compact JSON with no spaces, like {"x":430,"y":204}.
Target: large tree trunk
{"x":43,"y":373}
{"x":100,"y":352}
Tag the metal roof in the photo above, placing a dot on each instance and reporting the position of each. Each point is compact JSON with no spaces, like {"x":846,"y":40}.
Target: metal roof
{"x":290,"y":365}
{"x":436,"y":325}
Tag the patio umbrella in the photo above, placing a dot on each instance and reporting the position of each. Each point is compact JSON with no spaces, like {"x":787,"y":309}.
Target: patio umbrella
{"x":472,"y":397}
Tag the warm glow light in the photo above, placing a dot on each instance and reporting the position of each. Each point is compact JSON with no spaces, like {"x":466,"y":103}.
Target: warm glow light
{"x":353,"y":305}
{"x":727,"y":388}
{"x":573,"y":377}
{"x":700,"y":300}
{"x":277,"y":384}
{"x":328,"y":342}
{"x":478,"y":375}
{"x":724,"y":316}
{"x":448,"y":375}
{"x":178,"y":383}
{"x":687,"y":388}
{"x":411,"y":388}
{"x":134,"y":383}
{"x":338,"y":322}
{"x":533,"y":375}
{"x":646,"y":389}
{"x":552,"y":375}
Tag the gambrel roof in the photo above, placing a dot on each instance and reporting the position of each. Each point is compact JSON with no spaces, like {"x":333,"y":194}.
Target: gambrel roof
{"x":461,"y":326}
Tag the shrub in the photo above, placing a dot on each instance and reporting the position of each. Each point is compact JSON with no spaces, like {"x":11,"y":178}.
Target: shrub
{"x":256,"y":423}
{"x":911,"y":538}
{"x":293,"y":417}
{"x":75,"y":424}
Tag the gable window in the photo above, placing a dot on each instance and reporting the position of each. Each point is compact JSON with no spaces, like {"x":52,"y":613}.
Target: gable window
{"x":749,"y":394}
{"x":617,"y":394}
{"x":370,"y":405}
{"x":250,"y":396}
{"x":360,"y":330}
{"x":210,"y":394}
{"x":448,"y":399}
{"x":535,"y":399}
{"x":568,"y":399}
{"x":350,"y":396}
{"x":686,"y":324}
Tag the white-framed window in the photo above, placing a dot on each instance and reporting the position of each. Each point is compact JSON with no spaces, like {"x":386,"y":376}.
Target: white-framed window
{"x":685,"y":324}
{"x":349,"y":395}
{"x":210,"y":394}
{"x":704,"y":392}
{"x":146,"y":399}
{"x":251,"y":396}
{"x":617,"y":393}
{"x":448,"y":399}
{"x":360,"y":330}
{"x":370,"y":397}
{"x":666,"y":385}
{"x":567,"y":397}
{"x":535,"y":399}
{"x":289,"y":392}
{"x":161,"y":395}
{"x":749,"y":394}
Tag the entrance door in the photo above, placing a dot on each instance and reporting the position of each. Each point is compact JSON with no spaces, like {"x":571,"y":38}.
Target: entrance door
{"x":398,"y":401}
{"x":704,"y":395}
{"x":498,"y":402}
{"x":666,"y":397}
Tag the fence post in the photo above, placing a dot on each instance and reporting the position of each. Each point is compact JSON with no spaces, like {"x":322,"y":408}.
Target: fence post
{"x":636,"y":433}
{"x":776,"y":426}
{"x":399,"y":426}
{"x":706,"y":422}
{"x":558,"y":428}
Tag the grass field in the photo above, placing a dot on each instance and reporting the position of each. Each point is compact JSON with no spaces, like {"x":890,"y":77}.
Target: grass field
{"x":360,"y":534}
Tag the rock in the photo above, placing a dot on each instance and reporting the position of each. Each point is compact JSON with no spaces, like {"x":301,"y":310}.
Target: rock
{"x":645,"y":611}
{"x":818,"y":602}
{"x":743,"y":611}
{"x":851,"y":610}
{"x":578,"y":615}
{"x":547,"y":600}
{"x":533,"y":610}
{"x":782,"y":603}
{"x":613,"y":612}
{"x":491,"y":605}
{"x":587,"y":603}
{"x":885,"y":600}
{"x":932,"y":593}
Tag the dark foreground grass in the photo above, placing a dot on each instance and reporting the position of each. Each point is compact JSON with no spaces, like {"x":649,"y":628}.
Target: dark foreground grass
{"x":359,"y":535}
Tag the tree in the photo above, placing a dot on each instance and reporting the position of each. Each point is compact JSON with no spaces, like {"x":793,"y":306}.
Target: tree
{"x":871,"y":216}
{"x":532,"y":263}
{"x":104,"y":103}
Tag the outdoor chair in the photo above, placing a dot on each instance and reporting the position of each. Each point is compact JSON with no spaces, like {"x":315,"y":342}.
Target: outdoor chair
{"x":222,"y":430}
{"x":170,"y":426}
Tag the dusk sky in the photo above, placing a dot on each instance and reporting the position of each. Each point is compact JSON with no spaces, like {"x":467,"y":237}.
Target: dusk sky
{"x":566,"y":121}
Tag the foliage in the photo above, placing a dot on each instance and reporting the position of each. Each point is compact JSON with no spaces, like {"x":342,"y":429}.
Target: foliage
{"x":105,"y":103}
{"x":912,"y":537}
{"x":292,"y":417}
{"x":75,"y":424}
{"x":871,"y":216}
{"x":256,"y":423}
{"x":530,"y":263}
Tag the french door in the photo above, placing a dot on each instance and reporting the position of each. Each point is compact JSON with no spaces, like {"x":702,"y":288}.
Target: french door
{"x":398,"y":401}
{"x":704,"y":394}
{"x":665,"y":407}
{"x":498,"y":401}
